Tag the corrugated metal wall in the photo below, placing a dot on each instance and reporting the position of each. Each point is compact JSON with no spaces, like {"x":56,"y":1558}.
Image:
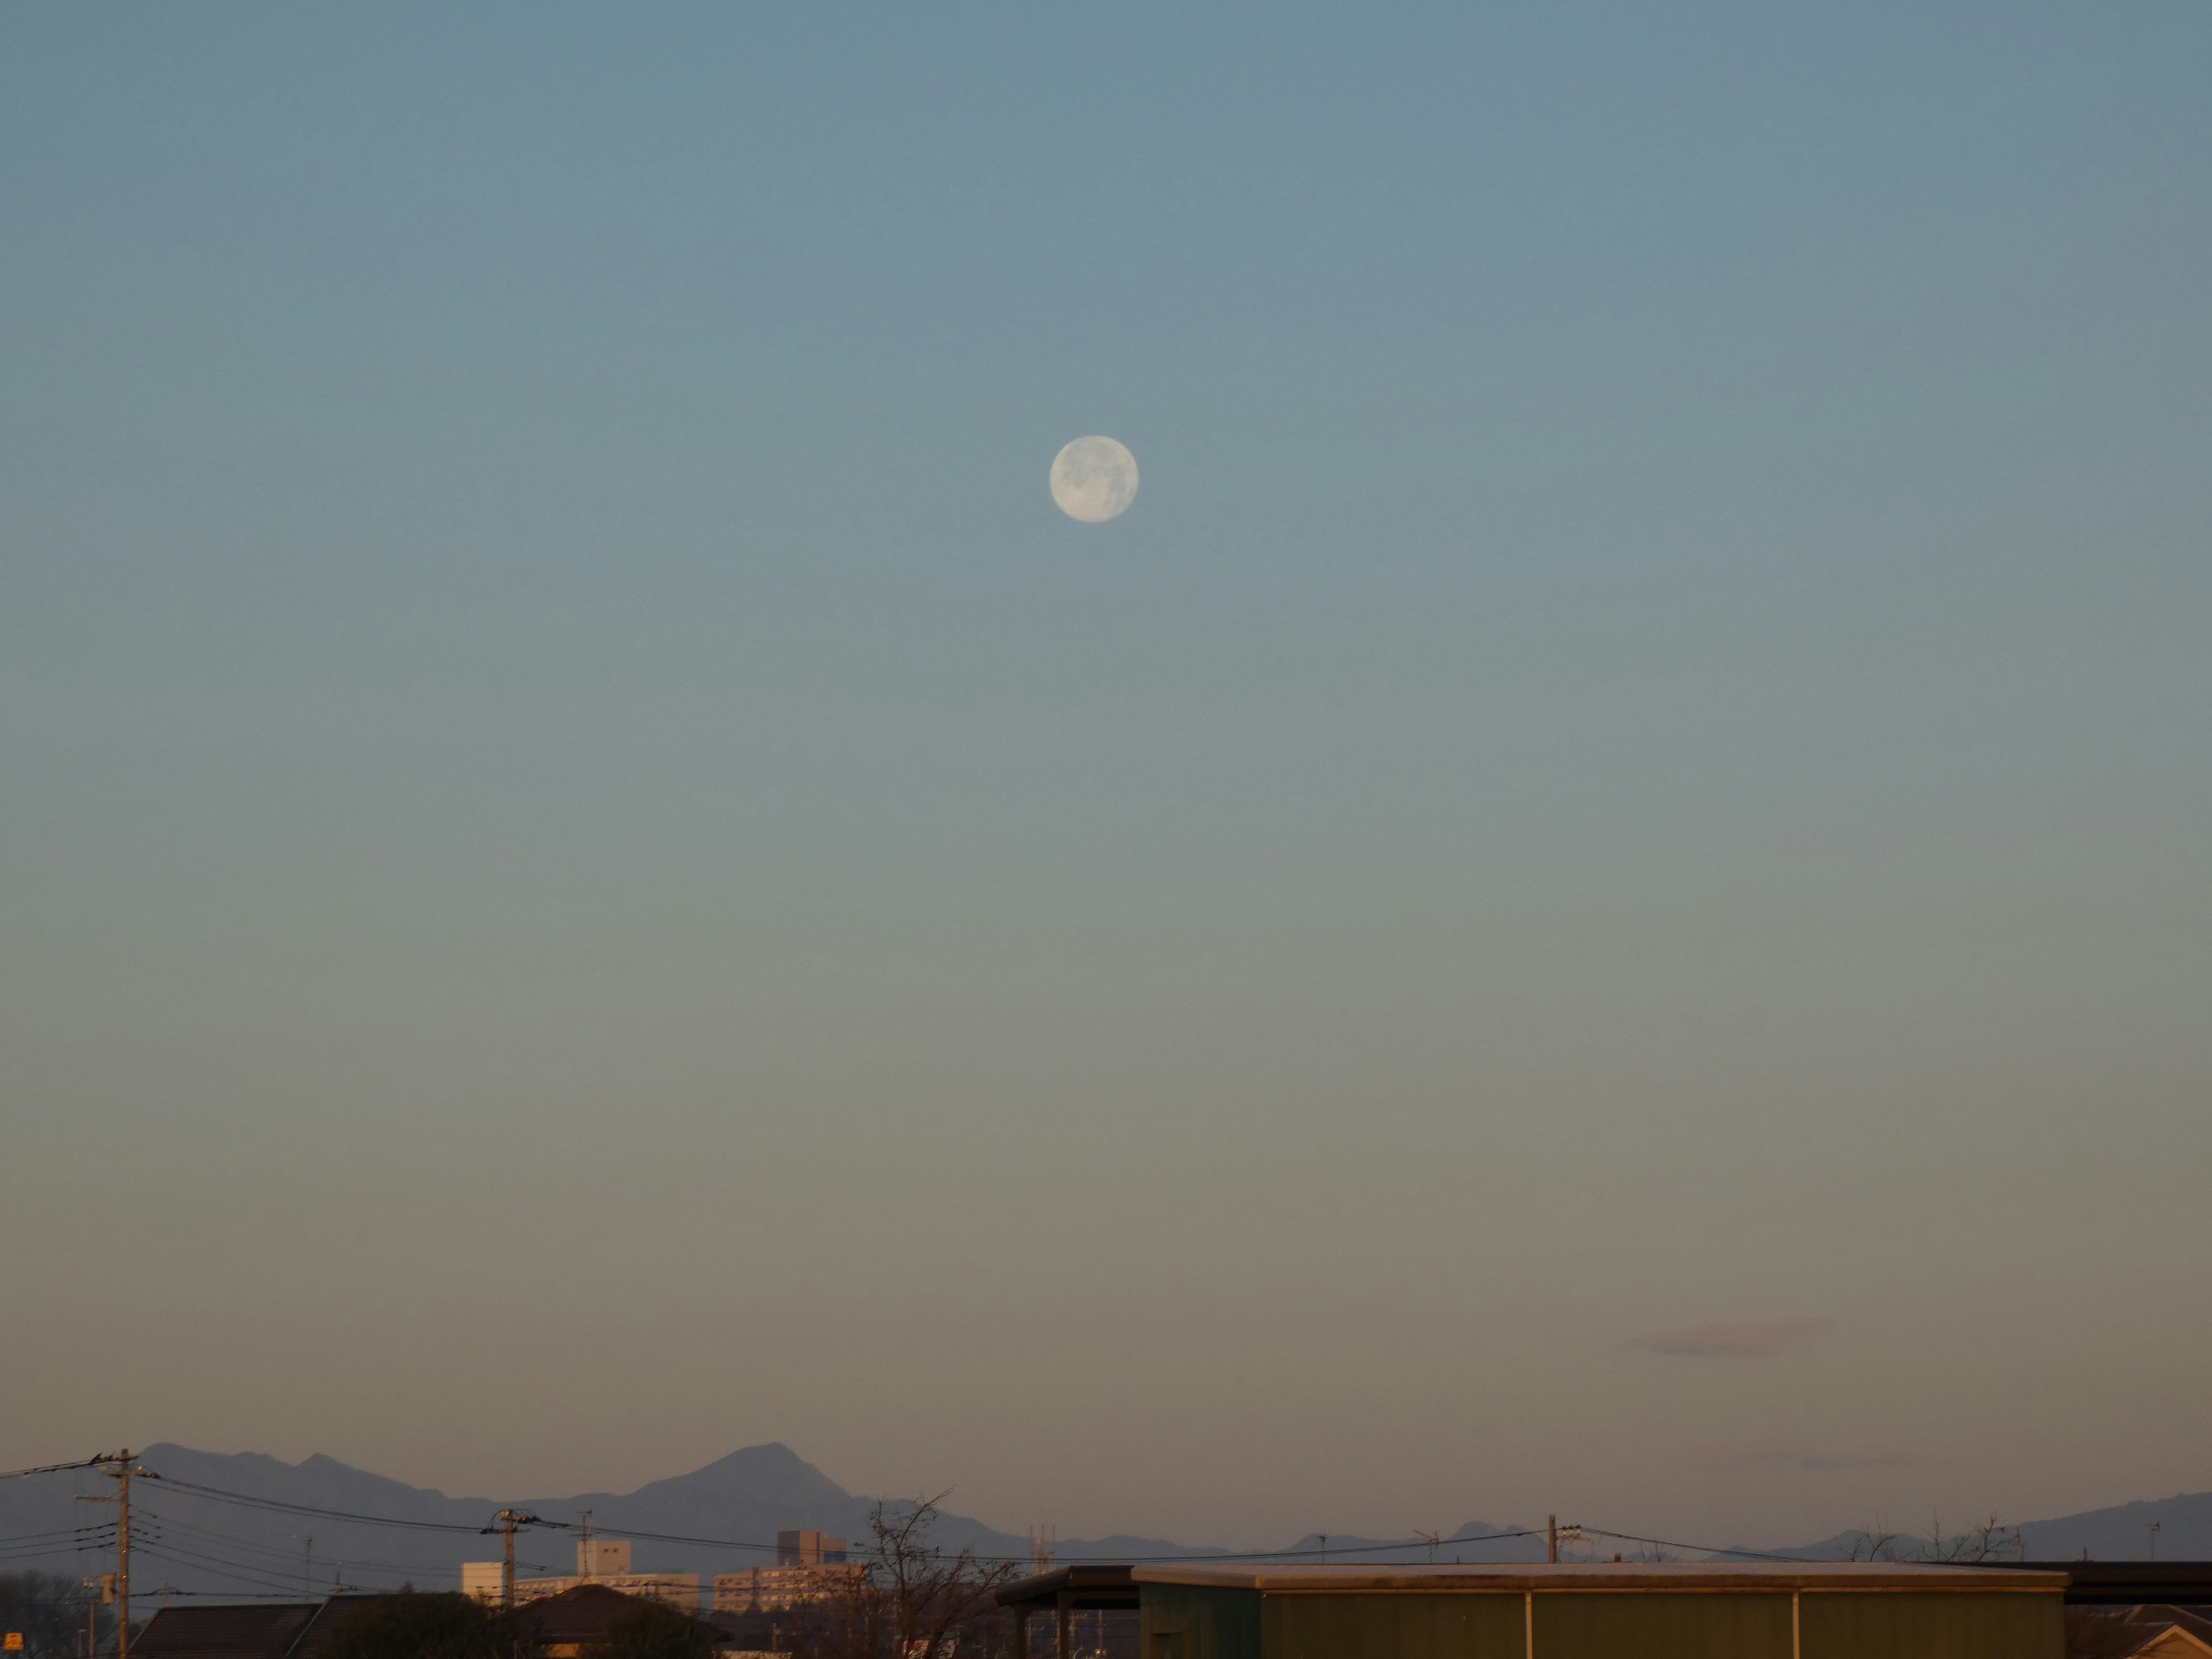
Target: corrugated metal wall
{"x":1906,"y":1625}
{"x":1394,"y":1627}
{"x":1189,"y":1622}
{"x":1688,"y":1626}
{"x":1185,"y":1621}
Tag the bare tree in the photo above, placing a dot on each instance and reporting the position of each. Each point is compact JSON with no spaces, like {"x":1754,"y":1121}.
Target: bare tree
{"x":1873,"y":1544}
{"x":916,"y":1600}
{"x":53,"y":1614}
{"x":1990,"y":1541}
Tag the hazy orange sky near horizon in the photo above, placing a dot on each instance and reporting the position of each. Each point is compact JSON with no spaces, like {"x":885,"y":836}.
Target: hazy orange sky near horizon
{"x":1596,"y":901}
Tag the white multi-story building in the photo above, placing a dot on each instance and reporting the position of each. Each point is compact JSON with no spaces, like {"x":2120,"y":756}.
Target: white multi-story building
{"x":779,"y":1590}
{"x":810,"y":1567}
{"x":599,"y":1561}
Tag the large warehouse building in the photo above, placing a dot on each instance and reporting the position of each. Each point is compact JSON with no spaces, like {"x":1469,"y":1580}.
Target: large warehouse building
{"x":1675,"y":1610}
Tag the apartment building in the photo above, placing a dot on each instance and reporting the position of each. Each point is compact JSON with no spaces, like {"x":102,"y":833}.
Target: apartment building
{"x":810,"y":1567}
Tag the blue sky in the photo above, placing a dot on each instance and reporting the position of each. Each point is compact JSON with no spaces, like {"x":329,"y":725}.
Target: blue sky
{"x":1639,"y":761}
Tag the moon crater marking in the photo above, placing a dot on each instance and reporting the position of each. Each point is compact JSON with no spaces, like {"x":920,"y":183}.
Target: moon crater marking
{"x":1094,"y":479}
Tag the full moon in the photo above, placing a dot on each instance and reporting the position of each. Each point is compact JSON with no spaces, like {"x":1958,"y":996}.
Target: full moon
{"x":1094,"y":479}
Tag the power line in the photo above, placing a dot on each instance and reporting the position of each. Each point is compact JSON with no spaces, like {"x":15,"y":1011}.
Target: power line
{"x":118,"y":1466}
{"x":163,"y":1520}
{"x":698,"y":1540}
{"x":168,"y":1590}
{"x":284,"y":1506}
{"x":36,"y":1554}
{"x":263,"y":1581}
{"x":61,"y":1531}
{"x":1423,"y":1543}
{"x":1674,"y":1544}
{"x":52,"y":1469}
{"x":218,"y":1495}
{"x":244,"y":1572}
{"x":61,"y":1548}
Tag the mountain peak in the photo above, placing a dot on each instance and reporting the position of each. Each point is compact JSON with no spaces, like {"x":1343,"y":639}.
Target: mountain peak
{"x":768,"y":1455}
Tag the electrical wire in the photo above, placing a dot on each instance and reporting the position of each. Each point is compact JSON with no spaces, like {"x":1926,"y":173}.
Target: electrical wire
{"x":283,"y":1506}
{"x":292,"y":1570}
{"x":218,"y":1495}
{"x":58,"y":1532}
{"x":30,"y":1557}
{"x":1408,"y":1544}
{"x":92,"y":1538}
{"x":1673,"y":1544}
{"x":54,"y":1468}
{"x":243,"y":1572}
{"x":291,"y":1554}
{"x":165,"y":1591}
{"x":28,"y":1542}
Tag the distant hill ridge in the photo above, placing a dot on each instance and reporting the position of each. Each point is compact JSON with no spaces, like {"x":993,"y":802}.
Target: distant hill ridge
{"x":207,"y":1546}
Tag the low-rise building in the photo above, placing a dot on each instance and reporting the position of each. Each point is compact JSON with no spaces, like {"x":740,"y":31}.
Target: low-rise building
{"x":1751,"y":1610}
{"x":1567,"y":1610}
{"x":2139,"y":1632}
{"x":567,"y":1622}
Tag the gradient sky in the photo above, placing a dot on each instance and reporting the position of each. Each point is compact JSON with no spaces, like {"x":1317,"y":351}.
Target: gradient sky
{"x":589,"y":874}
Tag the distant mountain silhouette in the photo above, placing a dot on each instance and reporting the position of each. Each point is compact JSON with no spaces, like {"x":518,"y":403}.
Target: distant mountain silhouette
{"x":204,"y":1543}
{"x":2125,"y":1532}
{"x":207,"y":1544}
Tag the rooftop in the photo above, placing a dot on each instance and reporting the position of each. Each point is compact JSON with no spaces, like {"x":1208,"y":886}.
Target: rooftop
{"x":263,"y":1632}
{"x":1605,"y":1576}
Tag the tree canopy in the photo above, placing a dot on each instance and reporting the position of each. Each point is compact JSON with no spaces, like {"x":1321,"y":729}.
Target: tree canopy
{"x":414,"y":1624}
{"x":654,"y":1630}
{"x":50,"y":1611}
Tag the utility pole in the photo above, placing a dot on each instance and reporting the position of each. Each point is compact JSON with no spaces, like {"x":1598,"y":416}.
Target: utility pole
{"x":123,"y":1467}
{"x":507,"y":1520}
{"x":1552,"y":1533}
{"x":120,"y":1474}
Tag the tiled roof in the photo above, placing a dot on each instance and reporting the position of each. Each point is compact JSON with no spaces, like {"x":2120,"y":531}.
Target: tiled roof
{"x":301,"y":1630}
{"x":316,"y":1634}
{"x":581,"y":1614}
{"x":263,"y":1632}
{"x":2155,"y":1622}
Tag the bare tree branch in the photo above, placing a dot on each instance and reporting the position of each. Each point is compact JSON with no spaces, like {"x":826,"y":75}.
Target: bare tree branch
{"x":916,"y":1600}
